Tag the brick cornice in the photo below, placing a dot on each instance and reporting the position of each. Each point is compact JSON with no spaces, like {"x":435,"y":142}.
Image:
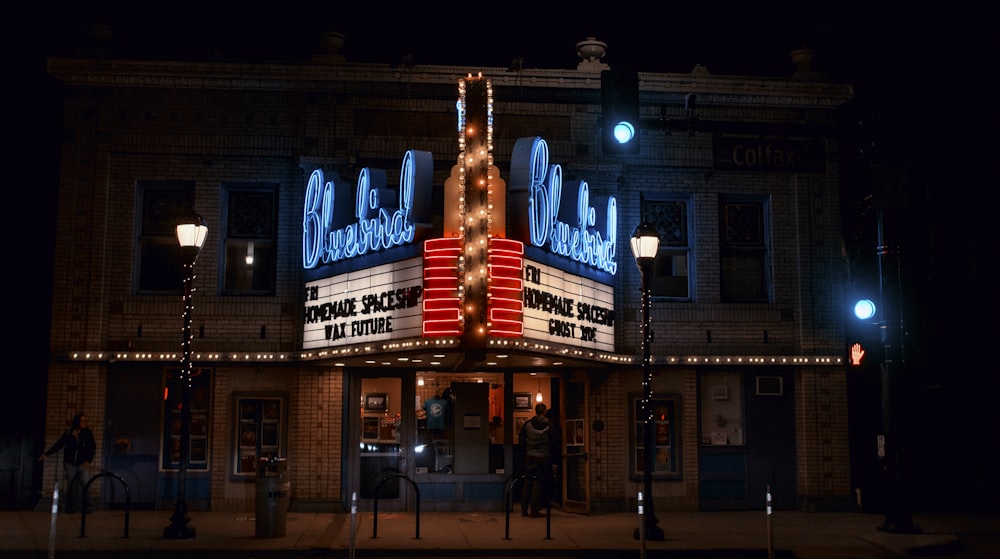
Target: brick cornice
{"x":711,"y":89}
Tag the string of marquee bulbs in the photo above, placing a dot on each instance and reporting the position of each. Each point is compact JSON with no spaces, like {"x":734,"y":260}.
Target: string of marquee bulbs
{"x":475,"y":201}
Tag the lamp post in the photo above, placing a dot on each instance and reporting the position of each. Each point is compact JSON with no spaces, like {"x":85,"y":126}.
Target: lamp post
{"x":191,"y":236}
{"x":645,"y":242}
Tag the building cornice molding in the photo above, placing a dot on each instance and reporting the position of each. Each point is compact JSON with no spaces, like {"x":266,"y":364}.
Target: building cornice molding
{"x":710,"y":88}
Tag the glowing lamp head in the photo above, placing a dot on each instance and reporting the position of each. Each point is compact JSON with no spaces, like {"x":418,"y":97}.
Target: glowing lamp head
{"x":645,"y":242}
{"x":864,"y":309}
{"x":192,"y":233}
{"x":624,"y":131}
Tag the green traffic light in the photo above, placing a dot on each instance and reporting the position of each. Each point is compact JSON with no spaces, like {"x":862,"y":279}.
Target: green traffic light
{"x":864,"y":309}
{"x":624,"y":131}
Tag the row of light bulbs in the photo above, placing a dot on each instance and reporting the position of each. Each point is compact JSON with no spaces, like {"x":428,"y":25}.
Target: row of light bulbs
{"x":99,"y":356}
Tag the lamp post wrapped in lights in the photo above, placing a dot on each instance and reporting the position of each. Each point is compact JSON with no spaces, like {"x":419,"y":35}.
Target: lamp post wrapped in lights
{"x":191,"y":236}
{"x":645,"y":242}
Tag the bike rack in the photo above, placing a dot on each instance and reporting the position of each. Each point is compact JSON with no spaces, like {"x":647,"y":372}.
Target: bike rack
{"x":86,"y":491}
{"x":386,"y":477}
{"x":509,"y":504}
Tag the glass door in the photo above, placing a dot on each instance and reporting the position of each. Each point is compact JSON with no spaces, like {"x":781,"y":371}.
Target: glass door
{"x":576,"y":444}
{"x":380,"y":410}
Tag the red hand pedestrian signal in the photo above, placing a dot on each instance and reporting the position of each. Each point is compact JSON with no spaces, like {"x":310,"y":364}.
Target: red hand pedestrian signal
{"x":857,"y":353}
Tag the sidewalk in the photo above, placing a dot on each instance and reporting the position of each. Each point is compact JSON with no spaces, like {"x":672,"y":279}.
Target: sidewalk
{"x":704,"y":534}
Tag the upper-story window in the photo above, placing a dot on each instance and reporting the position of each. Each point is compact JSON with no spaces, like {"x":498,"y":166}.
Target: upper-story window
{"x":672,"y":268}
{"x":743,"y":239}
{"x":251,"y":237}
{"x":162,"y":205}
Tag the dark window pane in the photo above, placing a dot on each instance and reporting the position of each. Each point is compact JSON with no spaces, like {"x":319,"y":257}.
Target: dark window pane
{"x":671,"y":267}
{"x":670,"y":274}
{"x":160,"y":266}
{"x":744,"y":225}
{"x":249,"y":269}
{"x":670,"y":220}
{"x":163,"y":205}
{"x":251,"y":214}
{"x":251,"y":226}
{"x":743,"y":251}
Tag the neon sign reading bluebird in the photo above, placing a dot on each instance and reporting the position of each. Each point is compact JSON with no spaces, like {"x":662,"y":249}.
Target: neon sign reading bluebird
{"x":327,"y":234}
{"x":568,"y":226}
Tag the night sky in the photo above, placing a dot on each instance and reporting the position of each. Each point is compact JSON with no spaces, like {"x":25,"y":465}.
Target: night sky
{"x":921,"y":72}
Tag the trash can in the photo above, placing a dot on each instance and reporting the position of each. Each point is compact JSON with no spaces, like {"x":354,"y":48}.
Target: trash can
{"x":273,"y":489}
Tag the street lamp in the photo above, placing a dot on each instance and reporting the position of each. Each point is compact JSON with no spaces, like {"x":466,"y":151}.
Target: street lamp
{"x":645,"y":242}
{"x":191,"y":236}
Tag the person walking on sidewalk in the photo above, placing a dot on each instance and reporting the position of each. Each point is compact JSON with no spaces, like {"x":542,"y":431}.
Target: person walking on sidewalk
{"x":78,"y":447}
{"x":538,"y":437}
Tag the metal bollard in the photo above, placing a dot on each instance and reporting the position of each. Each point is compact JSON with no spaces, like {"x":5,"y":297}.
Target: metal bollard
{"x":354,"y":516}
{"x":52,"y":525}
{"x":642,"y":527}
{"x":770,"y":527}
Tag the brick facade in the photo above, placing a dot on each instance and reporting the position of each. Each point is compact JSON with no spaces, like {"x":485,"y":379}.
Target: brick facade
{"x":215,"y":124}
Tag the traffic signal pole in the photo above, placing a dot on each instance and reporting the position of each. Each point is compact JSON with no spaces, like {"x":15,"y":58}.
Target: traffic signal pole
{"x":898,"y":512}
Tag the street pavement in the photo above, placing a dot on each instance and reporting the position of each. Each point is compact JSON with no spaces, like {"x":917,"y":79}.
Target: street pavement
{"x":802,"y":535}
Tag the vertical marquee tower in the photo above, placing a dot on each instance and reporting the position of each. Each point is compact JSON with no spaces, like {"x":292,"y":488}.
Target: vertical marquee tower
{"x":472,"y":275}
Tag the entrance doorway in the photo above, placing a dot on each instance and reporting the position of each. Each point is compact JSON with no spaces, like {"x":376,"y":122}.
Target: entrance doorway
{"x":442,"y":431}
{"x":747,"y":440}
{"x":576,"y":445}
{"x":381,"y":460}
{"x":132,"y":441}
{"x":455,"y":435}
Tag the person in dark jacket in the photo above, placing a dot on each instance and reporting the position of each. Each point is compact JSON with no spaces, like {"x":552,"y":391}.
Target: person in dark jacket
{"x":78,"y":447}
{"x":538,"y":437}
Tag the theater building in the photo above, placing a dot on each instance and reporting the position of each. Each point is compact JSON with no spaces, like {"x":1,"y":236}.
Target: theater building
{"x":402,"y":260}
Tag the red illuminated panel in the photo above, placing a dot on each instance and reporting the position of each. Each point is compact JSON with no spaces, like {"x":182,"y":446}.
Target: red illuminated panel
{"x":442,"y":303}
{"x":505,"y":303}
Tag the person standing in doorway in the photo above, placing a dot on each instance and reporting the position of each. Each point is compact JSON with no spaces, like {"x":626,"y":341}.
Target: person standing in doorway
{"x":78,"y":447}
{"x":538,"y":438}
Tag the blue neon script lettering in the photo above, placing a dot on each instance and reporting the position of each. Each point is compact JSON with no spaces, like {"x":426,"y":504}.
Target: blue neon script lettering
{"x":580,"y":241}
{"x":376,"y":226}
